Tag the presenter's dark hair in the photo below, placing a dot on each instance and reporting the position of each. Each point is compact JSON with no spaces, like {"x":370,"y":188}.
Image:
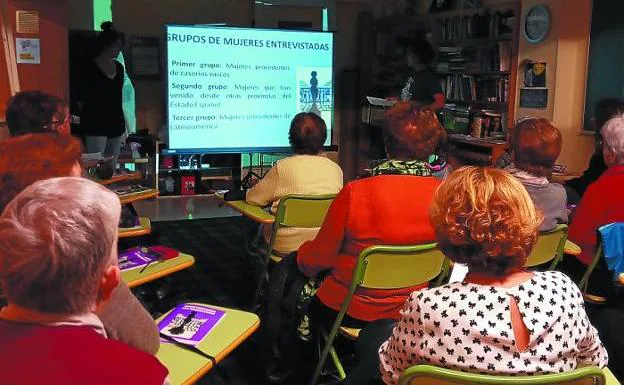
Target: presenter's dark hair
{"x":422,"y":49}
{"x":107,"y":37}
{"x":307,"y":133}
{"x":31,"y":112}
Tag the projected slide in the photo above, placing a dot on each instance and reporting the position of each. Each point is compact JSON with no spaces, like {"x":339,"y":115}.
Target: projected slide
{"x":232,"y":89}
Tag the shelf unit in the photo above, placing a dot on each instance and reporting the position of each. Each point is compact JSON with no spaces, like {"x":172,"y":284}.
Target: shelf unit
{"x":486,"y":36}
{"x":483,"y":43}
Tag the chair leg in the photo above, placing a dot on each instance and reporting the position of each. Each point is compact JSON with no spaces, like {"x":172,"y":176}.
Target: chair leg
{"x":327,"y":350}
{"x":336,"y":360}
{"x":261,"y":283}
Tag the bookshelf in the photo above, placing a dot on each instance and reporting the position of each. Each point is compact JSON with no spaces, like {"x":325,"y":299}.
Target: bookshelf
{"x":477,"y":59}
{"x":477,"y":63}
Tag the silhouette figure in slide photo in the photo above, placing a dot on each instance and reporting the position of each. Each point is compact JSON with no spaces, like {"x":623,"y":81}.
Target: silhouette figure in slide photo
{"x":314,"y":93}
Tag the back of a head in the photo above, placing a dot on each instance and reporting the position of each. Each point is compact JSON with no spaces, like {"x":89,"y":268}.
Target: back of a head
{"x":613,"y":135}
{"x":484,"y":218}
{"x":536,"y":144}
{"x":412,"y":132}
{"x":29,"y":158}
{"x":32,"y":112}
{"x":422,"y":49}
{"x":606,"y":109}
{"x":56,"y":239}
{"x":307,"y":134}
{"x":107,"y":37}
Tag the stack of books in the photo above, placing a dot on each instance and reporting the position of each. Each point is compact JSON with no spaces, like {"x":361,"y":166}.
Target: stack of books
{"x":450,"y":59}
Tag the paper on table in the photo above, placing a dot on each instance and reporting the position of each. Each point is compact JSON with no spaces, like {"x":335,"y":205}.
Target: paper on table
{"x":189,"y":323}
{"x":380,"y":102}
{"x":136,"y":257}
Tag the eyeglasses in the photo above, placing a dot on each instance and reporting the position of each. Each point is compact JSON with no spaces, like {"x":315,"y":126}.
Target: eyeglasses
{"x":55,"y":124}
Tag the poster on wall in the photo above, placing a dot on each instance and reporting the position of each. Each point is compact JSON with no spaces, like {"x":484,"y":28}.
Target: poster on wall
{"x":534,"y":98}
{"x":28,"y":51}
{"x":144,"y":58}
{"x":535,"y":73}
{"x":27,"y":22}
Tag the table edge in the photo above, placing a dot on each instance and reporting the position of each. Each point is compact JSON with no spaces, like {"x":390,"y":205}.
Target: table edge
{"x":220,"y":357}
{"x":160,"y":274}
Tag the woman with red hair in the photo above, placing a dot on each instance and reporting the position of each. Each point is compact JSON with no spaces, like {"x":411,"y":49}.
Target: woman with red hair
{"x":389,"y":208}
{"x":502,"y":319}
{"x":536,"y":146}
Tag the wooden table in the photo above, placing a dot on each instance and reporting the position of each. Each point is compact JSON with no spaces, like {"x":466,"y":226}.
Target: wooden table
{"x":255,"y":213}
{"x":134,"y":277}
{"x":571,"y":248}
{"x":144,"y":228}
{"x":138,"y":196}
{"x":482,"y":150}
{"x":561,"y":178}
{"x":186,"y":367}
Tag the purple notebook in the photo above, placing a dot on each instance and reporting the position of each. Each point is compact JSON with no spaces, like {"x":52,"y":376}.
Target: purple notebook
{"x":136,"y":257}
{"x":189,"y":324}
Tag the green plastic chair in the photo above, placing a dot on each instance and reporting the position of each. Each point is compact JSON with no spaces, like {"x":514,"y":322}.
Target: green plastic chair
{"x":584,"y":282}
{"x":432,"y":375}
{"x":303,"y":211}
{"x":548,"y":248}
{"x":385,"y":267}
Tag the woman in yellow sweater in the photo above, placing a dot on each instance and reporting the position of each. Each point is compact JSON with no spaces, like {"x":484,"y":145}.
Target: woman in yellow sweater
{"x":307,"y":172}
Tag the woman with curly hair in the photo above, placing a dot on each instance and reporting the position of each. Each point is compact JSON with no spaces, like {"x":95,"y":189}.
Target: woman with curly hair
{"x":389,"y":208}
{"x":502,"y":319}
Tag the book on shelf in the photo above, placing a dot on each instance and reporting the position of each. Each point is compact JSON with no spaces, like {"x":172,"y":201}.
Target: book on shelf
{"x":494,"y":58}
{"x":474,"y":88}
{"x":480,"y":25}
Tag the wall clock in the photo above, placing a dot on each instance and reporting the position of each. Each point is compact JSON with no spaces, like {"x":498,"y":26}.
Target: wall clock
{"x":537,"y":23}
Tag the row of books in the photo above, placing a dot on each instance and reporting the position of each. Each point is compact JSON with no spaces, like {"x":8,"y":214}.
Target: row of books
{"x":477,"y":123}
{"x":494,"y":58}
{"x":474,"y":88}
{"x":479,"y":25}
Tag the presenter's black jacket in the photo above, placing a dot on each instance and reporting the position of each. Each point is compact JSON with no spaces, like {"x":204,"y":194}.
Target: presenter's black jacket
{"x":423,"y":85}
{"x":102,"y":113}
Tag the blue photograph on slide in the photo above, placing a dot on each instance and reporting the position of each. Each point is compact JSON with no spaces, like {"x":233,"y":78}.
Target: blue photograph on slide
{"x":237,"y":89}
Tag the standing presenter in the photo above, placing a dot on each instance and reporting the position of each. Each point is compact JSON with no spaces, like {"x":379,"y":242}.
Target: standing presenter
{"x":101,"y":116}
{"x":422,"y":84}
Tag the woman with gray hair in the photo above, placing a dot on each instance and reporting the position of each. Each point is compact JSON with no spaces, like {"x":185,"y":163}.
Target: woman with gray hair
{"x":58,"y":266}
{"x":600,"y":204}
{"x":51,"y":155}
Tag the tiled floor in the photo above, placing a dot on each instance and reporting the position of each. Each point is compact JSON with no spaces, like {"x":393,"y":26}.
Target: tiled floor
{"x":183,"y":207}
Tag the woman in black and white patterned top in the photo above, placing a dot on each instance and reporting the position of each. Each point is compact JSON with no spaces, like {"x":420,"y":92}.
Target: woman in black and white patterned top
{"x":502,"y":319}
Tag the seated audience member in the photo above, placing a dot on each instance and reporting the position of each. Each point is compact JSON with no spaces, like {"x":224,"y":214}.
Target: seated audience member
{"x":537,"y":145}
{"x":389,"y":208}
{"x":601,"y":203}
{"x":29,"y":158}
{"x":501,"y":319}
{"x":32,"y":112}
{"x":606,"y":109}
{"x":58,"y":248}
{"x":307,"y":172}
